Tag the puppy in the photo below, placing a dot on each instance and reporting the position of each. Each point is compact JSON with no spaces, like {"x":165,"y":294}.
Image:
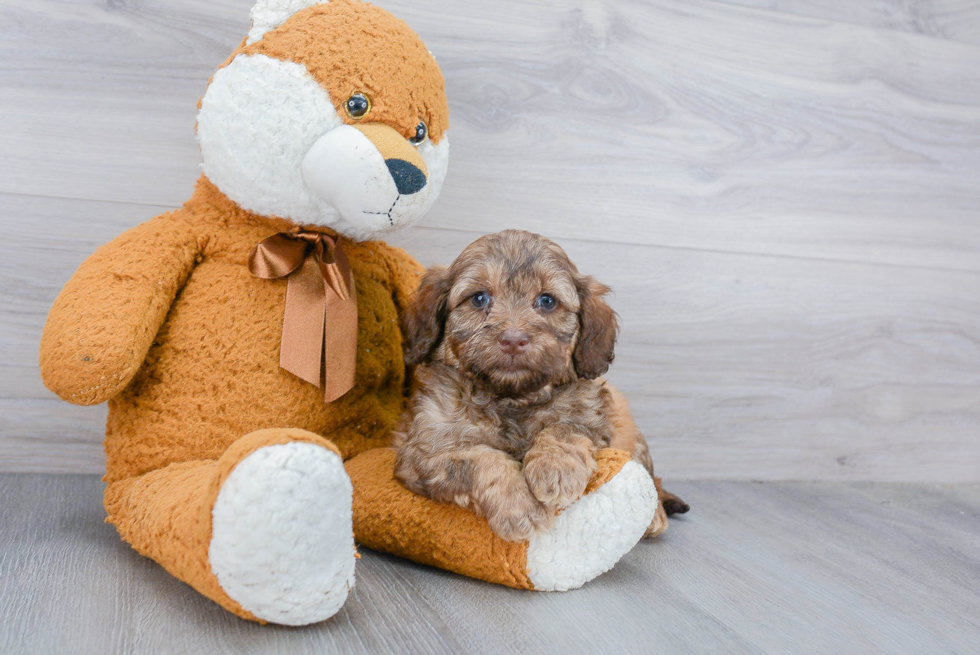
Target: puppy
{"x":509,"y":409}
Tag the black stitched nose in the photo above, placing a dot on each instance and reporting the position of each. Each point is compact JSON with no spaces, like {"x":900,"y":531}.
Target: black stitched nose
{"x":408,"y":178}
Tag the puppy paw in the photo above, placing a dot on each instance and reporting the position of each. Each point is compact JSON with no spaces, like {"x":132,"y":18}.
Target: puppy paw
{"x":518,"y":518}
{"x":558,"y":476}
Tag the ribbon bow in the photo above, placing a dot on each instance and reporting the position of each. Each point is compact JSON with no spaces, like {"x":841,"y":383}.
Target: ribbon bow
{"x":320,"y":305}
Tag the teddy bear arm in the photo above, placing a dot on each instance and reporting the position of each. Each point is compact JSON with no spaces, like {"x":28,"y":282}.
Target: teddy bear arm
{"x":103,"y":322}
{"x":586,"y":539}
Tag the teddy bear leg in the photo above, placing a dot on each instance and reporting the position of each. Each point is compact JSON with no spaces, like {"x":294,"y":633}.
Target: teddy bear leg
{"x":585,"y":540}
{"x":264,"y":531}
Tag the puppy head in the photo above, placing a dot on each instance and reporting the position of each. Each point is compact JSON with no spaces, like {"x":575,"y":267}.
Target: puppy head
{"x":513,"y":312}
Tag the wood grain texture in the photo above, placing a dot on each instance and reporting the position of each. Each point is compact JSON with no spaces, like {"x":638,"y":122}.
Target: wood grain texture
{"x":696,"y":124}
{"x":701,"y":125}
{"x":775,"y":567}
{"x":951,"y":20}
{"x":784,"y":198}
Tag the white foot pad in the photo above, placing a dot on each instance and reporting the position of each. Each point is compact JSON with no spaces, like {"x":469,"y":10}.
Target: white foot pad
{"x":589,"y":537}
{"x":282,"y":539}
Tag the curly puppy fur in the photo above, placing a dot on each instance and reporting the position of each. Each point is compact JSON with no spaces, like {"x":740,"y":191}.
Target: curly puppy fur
{"x":510,"y":341}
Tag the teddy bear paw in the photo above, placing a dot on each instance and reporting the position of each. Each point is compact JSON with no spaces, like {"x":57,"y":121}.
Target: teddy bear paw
{"x":282,"y":543}
{"x":594,"y":532}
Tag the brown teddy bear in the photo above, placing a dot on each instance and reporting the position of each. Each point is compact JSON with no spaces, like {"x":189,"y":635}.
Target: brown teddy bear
{"x":248,"y":343}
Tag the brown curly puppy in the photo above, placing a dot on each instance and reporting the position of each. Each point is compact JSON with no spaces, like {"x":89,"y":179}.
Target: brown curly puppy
{"x":511,"y":339}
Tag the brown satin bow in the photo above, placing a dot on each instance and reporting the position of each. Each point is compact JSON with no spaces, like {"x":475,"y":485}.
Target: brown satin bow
{"x":319,"y":327}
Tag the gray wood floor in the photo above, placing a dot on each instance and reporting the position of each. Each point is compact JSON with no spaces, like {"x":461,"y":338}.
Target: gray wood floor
{"x":783,"y":193}
{"x":755,"y":568}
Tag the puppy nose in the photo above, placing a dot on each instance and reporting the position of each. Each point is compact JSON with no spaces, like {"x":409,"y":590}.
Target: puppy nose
{"x":408,"y":177}
{"x":514,"y":342}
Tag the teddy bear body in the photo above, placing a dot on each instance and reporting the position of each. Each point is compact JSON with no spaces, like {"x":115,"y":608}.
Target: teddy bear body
{"x":327,"y":123}
{"x":168,"y":324}
{"x":165,"y":415}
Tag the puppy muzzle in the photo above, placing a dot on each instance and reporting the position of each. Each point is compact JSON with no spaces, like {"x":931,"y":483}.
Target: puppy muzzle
{"x":370,"y":173}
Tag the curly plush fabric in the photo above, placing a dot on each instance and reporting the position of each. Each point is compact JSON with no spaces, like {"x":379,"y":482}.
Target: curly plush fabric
{"x":168,"y":324}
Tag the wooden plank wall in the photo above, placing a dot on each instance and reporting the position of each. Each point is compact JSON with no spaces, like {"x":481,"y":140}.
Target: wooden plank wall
{"x":785,"y":195}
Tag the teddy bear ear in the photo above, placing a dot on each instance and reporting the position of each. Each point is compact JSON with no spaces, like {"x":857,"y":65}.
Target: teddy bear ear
{"x":269,"y":14}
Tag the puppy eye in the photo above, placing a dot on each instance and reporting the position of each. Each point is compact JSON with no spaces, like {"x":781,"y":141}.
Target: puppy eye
{"x":421,"y":134}
{"x":480,"y":300}
{"x":357,"y":106}
{"x":546,"y":302}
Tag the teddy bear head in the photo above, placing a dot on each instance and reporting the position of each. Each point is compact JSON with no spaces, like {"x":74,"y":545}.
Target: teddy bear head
{"x":331,"y":114}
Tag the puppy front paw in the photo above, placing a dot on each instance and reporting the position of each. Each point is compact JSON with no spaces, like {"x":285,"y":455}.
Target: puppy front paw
{"x":557,"y":476}
{"x":517,"y":518}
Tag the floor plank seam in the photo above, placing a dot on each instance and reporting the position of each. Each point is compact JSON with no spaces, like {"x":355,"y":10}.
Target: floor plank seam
{"x":714,"y":251}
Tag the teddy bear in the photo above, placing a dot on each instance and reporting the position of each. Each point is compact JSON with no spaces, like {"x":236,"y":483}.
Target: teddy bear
{"x":249,"y":343}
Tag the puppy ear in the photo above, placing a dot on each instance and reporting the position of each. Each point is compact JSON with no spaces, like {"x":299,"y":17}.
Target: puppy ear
{"x":598,"y":328}
{"x":423,"y":321}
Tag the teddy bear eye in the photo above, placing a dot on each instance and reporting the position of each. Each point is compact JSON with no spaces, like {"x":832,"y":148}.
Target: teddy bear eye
{"x":546,"y":301}
{"x":358,"y":105}
{"x":480,"y":299}
{"x":421,"y":133}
